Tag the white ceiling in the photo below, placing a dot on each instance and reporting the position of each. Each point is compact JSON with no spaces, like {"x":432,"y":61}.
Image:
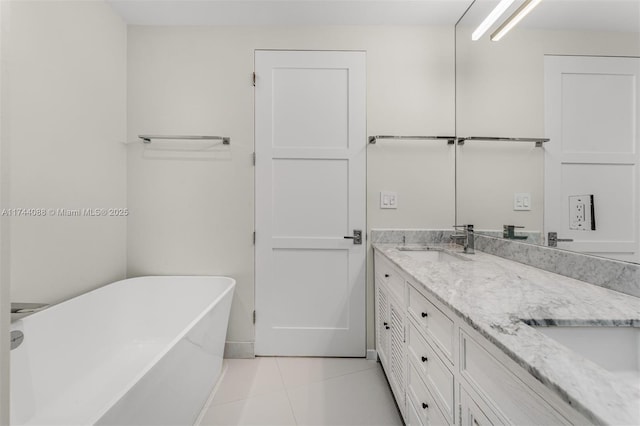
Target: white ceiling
{"x":290,"y":12}
{"x":606,"y":15}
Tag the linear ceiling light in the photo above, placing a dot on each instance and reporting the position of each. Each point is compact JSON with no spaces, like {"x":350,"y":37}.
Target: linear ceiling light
{"x":513,"y":20}
{"x":491,"y":19}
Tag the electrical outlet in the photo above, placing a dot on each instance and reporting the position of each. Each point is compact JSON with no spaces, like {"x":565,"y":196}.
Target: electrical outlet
{"x":581,"y":213}
{"x":388,"y":200}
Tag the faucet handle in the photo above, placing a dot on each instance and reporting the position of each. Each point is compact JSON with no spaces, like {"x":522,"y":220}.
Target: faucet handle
{"x":509,"y":231}
{"x":553,"y":240}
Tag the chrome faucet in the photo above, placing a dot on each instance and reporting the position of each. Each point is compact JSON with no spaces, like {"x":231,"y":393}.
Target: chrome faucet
{"x":468,"y":237}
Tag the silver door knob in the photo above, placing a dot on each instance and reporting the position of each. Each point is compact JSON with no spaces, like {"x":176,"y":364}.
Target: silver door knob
{"x":357,"y":236}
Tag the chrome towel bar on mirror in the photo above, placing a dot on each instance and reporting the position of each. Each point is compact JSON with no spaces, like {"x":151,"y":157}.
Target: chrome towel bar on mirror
{"x":450,"y":139}
{"x":538,"y":141}
{"x":147,"y":138}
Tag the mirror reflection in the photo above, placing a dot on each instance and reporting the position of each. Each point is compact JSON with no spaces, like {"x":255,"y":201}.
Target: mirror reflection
{"x":567,"y":72}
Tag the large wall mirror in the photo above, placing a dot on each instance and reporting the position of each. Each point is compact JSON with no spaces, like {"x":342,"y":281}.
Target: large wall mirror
{"x":568,"y":72}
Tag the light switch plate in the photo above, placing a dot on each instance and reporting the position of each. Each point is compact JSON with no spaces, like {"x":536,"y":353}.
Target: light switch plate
{"x":522,"y":201}
{"x":388,"y":200}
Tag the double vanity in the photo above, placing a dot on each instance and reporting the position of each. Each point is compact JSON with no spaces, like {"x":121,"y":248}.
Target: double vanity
{"x":476,"y":339}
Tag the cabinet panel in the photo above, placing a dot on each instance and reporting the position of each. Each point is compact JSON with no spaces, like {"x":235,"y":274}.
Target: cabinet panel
{"x":423,"y":401}
{"x":437,"y":326}
{"x":397,"y":359}
{"x":511,"y":397}
{"x":382,"y":324}
{"x":432,"y":369}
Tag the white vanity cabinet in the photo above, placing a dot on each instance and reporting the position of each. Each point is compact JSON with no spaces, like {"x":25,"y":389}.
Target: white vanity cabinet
{"x":443,"y":372}
{"x":390,"y":326}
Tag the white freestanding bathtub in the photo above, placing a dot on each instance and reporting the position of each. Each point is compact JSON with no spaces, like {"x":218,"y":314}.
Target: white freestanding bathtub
{"x":136,"y":352}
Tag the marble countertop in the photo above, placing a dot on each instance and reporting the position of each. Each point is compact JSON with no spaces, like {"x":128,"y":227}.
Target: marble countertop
{"x":494,"y":296}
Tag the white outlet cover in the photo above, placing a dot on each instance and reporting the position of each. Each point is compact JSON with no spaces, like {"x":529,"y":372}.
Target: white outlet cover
{"x":522,"y":201}
{"x":388,"y":200}
{"x":580,"y":212}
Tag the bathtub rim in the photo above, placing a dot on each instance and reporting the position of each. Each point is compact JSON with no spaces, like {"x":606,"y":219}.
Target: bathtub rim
{"x":100,"y":412}
{"x":55,"y":305}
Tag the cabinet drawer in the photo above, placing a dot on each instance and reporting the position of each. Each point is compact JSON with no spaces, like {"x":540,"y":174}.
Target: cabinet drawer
{"x":390,"y":277}
{"x":436,"y":325}
{"x":418,"y":395}
{"x":413,"y":418}
{"x":509,"y":396}
{"x":432,"y":369}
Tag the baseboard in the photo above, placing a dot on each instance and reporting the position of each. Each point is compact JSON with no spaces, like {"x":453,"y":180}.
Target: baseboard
{"x":242,"y":350}
{"x":239,"y":350}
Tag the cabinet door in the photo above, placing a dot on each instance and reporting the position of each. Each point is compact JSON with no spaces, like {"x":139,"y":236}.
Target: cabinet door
{"x":472,"y":414}
{"x":382,"y":324}
{"x":505,"y":391}
{"x":397,"y":352}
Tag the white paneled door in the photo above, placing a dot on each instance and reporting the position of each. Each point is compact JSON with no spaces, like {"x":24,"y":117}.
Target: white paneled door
{"x":591,"y":117}
{"x":310,"y":178}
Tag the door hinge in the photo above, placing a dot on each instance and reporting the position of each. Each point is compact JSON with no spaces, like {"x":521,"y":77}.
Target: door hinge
{"x":254,"y":317}
{"x":254,"y":238}
{"x":254,"y":158}
{"x":254,"y":79}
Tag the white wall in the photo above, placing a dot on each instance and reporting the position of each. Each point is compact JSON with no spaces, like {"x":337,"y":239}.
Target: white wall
{"x":4,"y":235}
{"x":193,"y":213}
{"x":65,"y":118}
{"x":500,"y":92}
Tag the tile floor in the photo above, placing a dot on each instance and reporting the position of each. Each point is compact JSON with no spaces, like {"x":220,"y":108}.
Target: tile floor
{"x":302,"y":391}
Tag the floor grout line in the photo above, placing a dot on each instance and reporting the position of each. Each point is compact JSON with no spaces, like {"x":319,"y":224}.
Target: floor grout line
{"x":253,"y":395}
{"x":297,"y":370}
{"x":326,"y":379}
{"x":286,"y":392}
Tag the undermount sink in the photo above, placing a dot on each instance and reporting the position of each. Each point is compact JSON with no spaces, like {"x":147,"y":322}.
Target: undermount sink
{"x":430,"y":254}
{"x":616,"y":349}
